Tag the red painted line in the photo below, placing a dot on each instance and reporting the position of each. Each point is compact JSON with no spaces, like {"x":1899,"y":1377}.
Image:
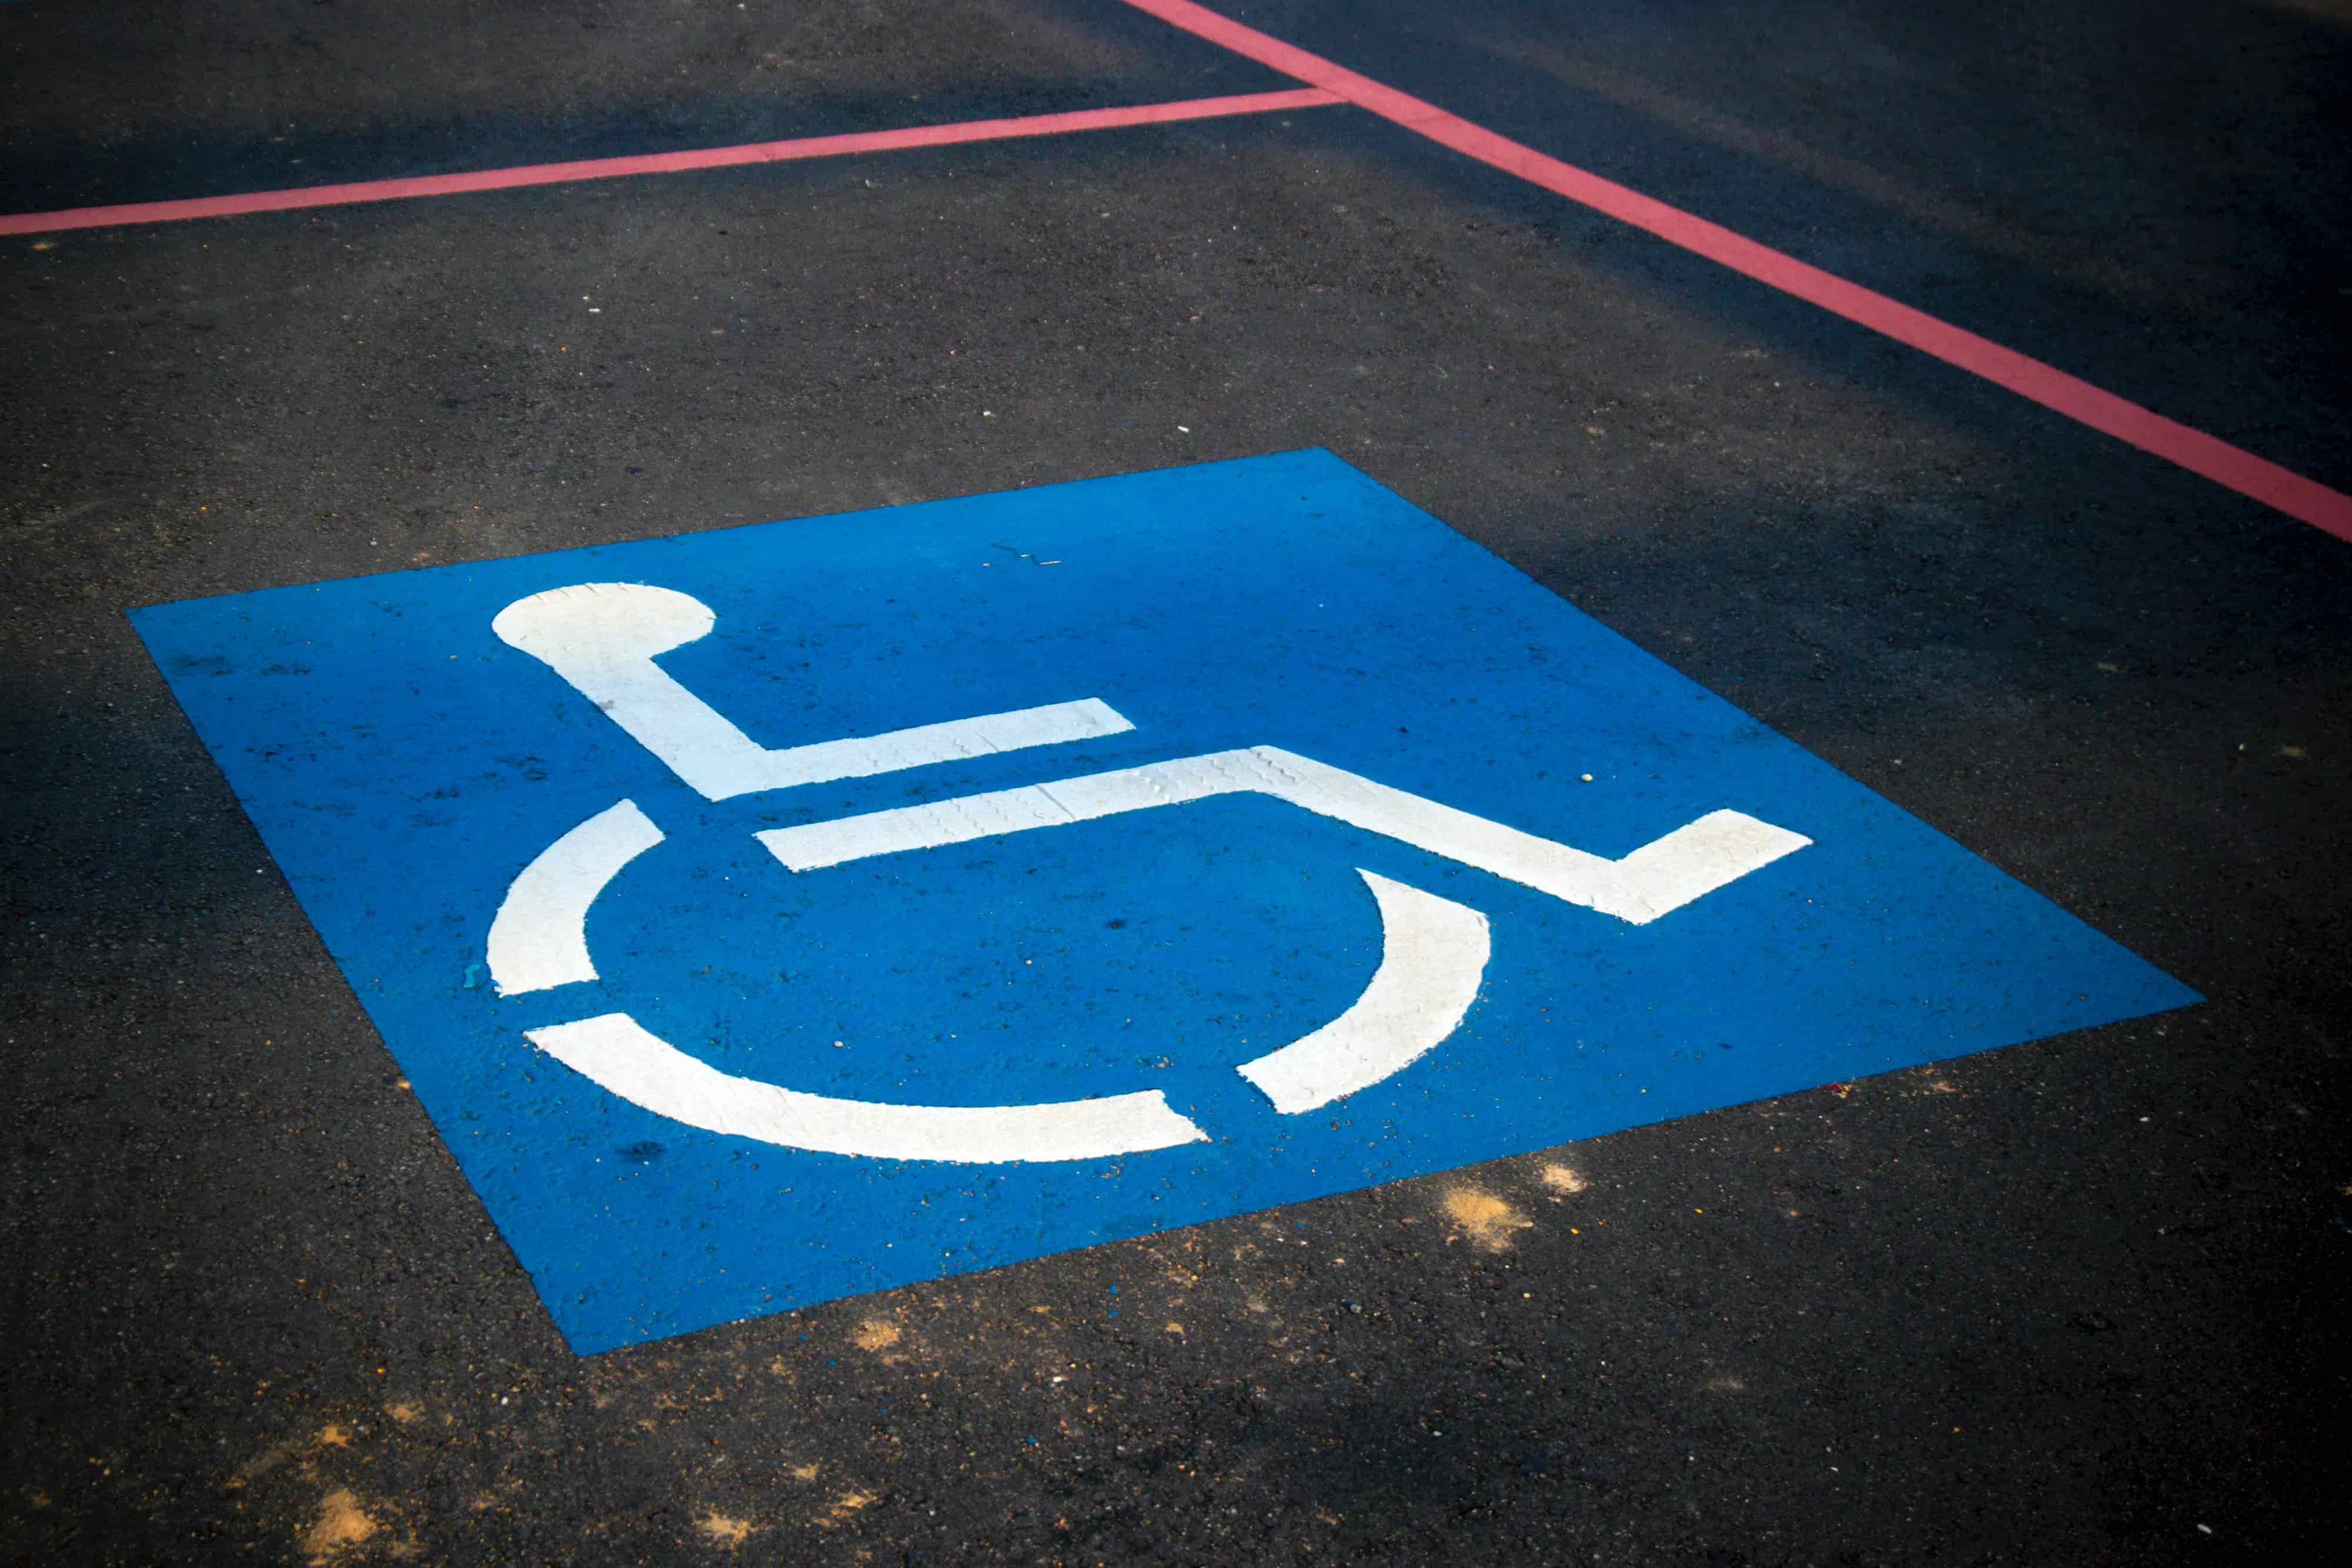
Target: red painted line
{"x":662,"y":162}
{"x":2054,"y":388}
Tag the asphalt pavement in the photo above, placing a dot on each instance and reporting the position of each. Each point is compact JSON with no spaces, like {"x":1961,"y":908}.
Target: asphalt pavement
{"x":2076,"y":1300}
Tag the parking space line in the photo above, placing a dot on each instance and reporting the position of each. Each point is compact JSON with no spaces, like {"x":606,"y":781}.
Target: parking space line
{"x":665,"y":163}
{"x":2230,"y":466}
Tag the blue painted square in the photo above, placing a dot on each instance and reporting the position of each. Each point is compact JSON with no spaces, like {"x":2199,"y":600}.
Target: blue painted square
{"x":406,"y":764}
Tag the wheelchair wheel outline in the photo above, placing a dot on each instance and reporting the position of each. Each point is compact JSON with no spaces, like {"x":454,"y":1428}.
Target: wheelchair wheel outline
{"x":1433,"y":960}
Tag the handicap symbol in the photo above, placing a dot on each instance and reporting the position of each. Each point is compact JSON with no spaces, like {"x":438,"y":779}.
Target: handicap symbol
{"x":602,"y":639}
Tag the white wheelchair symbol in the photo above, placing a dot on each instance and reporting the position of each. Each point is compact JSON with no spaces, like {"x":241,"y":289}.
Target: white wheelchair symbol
{"x":602,"y":638}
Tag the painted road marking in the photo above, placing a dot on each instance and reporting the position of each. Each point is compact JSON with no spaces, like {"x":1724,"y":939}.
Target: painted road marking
{"x":525,"y":176}
{"x":538,"y":939}
{"x":2232,"y":467}
{"x":1433,"y":953}
{"x":1656,"y":879}
{"x":1368,"y":858}
{"x":615,"y":1051}
{"x":602,"y":637}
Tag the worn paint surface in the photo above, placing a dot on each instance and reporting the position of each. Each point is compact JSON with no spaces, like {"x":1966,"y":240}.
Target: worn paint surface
{"x":405,"y":765}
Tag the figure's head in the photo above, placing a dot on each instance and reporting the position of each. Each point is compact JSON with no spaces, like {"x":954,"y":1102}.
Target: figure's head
{"x":603,"y":620}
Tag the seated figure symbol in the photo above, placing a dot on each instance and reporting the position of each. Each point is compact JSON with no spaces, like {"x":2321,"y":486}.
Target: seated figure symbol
{"x":602,"y":638}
